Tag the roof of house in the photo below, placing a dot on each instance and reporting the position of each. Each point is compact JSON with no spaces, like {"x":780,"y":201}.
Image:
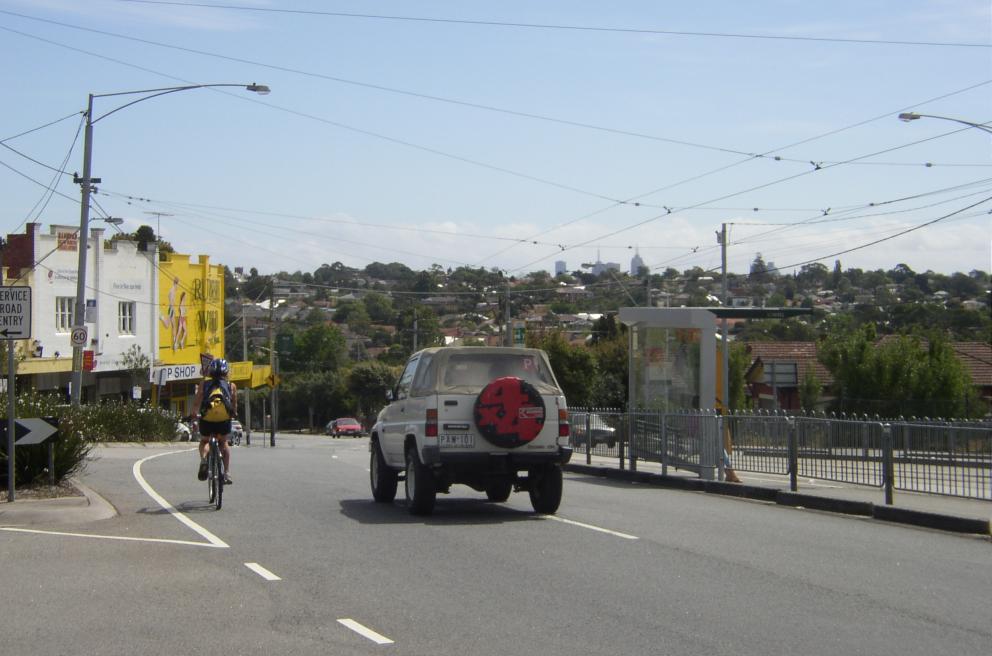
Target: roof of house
{"x":977,"y":358}
{"x":801,"y":353}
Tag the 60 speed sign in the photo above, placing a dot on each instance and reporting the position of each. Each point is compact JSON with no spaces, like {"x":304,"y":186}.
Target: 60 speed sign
{"x":78,"y":336}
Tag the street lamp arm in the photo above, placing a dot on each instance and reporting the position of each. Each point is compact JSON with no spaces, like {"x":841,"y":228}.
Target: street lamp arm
{"x":912,"y":116}
{"x":155,"y":93}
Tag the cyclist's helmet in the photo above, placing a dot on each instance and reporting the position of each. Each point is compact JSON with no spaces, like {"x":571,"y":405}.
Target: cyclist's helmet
{"x":218,"y":368}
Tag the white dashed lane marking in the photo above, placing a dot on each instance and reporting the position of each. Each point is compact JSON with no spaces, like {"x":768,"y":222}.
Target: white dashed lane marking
{"x":261,"y":571}
{"x":366,"y":632}
{"x":625,"y":536}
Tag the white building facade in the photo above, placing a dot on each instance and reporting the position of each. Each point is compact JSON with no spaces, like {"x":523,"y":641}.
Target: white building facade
{"x":121,"y":308}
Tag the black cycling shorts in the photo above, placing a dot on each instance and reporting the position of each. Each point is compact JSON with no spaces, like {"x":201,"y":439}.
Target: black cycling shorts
{"x":208,"y":428}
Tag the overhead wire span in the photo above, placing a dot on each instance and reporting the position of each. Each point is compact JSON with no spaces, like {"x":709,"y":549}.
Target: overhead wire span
{"x":564,"y":27}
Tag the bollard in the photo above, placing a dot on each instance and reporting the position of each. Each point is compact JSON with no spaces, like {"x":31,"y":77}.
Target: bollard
{"x":793,"y":455}
{"x":888,"y":466}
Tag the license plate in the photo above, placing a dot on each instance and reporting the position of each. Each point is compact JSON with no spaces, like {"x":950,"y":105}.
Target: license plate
{"x":457,"y":441}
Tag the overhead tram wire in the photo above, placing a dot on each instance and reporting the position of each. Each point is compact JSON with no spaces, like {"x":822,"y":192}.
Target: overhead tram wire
{"x":42,"y":127}
{"x":572,"y":28}
{"x":720,"y":169}
{"x":414,"y":94}
{"x":884,"y":239}
{"x":750,"y":189}
{"x":615,"y":202}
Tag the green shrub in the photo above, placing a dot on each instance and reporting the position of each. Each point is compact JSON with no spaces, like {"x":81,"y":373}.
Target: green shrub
{"x":79,"y":428}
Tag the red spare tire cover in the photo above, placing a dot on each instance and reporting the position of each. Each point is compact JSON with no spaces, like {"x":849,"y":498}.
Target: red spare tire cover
{"x":509,"y":412}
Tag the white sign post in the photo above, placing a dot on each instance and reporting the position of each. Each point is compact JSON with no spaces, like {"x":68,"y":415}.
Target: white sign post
{"x":15,"y":323}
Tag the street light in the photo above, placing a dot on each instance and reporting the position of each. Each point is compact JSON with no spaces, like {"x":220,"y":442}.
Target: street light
{"x":913,"y":116}
{"x":85,"y":184}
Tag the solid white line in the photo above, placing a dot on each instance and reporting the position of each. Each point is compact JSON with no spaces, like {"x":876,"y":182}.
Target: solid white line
{"x":207,"y":535}
{"x":261,"y":571}
{"x":625,"y":536}
{"x":109,"y":537}
{"x":366,"y":632}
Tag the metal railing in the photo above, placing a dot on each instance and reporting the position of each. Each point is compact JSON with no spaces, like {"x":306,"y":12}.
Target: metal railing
{"x":919,"y":455}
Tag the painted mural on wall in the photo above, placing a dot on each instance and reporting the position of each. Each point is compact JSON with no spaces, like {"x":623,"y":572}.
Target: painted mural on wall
{"x":191,"y":309}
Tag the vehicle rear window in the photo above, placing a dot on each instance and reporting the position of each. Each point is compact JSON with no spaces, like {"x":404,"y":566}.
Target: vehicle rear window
{"x":476,"y":370}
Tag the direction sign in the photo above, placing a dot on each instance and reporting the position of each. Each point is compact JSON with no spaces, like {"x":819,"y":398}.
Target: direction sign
{"x":32,"y":430}
{"x":78,"y":336}
{"x":15,"y":312}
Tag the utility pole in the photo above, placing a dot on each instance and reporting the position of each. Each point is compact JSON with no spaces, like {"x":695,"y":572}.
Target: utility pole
{"x":272,"y":362}
{"x":11,"y":401}
{"x":244,"y":342}
{"x":725,"y":365}
{"x":416,"y":330}
{"x":508,"y":338}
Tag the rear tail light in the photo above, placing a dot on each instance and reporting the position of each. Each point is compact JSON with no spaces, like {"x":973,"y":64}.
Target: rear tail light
{"x":563,"y":427}
{"x":430,"y":427}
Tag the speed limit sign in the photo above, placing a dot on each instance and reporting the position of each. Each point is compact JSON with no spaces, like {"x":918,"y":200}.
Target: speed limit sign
{"x":78,"y":336}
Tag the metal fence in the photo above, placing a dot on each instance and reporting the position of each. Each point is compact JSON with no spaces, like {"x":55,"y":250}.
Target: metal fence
{"x":917,"y":455}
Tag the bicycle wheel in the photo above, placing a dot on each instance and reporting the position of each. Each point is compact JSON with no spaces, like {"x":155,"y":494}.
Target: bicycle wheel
{"x":212,"y":473}
{"x":219,"y":471}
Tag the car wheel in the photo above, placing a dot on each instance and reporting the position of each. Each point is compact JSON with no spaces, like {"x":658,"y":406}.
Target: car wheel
{"x":382,"y":477}
{"x":499,"y":489}
{"x":545,"y":489}
{"x":420,"y":490}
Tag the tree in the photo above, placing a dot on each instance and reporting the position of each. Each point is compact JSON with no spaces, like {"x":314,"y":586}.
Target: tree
{"x":379,"y":308}
{"x":574,"y":367}
{"x":898,"y":376}
{"x":809,"y":391}
{"x":136,"y":363}
{"x":368,"y":382}
{"x":320,"y":347}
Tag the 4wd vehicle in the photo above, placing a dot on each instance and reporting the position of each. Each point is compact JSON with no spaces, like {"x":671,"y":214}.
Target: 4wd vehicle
{"x":494,"y":419}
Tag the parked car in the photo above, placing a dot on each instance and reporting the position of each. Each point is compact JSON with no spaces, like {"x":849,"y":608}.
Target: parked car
{"x":344,"y":426}
{"x":600,"y":431}
{"x":237,"y":432}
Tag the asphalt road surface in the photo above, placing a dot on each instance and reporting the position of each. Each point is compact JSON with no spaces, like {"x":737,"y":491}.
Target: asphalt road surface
{"x":301,"y":561}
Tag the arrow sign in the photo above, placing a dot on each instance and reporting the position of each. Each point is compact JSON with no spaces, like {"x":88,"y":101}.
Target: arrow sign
{"x":32,"y":430}
{"x":10,"y":333}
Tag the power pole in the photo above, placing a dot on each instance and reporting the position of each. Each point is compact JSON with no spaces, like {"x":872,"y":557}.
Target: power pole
{"x":11,"y":401}
{"x":272,"y":362}
{"x":244,"y":342}
{"x":508,"y":338}
{"x":725,"y":365}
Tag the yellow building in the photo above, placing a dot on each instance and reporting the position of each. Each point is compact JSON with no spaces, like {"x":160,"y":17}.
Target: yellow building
{"x":191,"y":331}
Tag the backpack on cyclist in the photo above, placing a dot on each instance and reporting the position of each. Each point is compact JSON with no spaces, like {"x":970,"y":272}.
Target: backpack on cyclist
{"x":216,"y":404}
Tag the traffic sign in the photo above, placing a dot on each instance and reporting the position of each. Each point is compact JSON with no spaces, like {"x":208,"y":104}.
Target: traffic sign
{"x":78,"y":336}
{"x":33,"y":430}
{"x":273,"y":380}
{"x":15,"y":312}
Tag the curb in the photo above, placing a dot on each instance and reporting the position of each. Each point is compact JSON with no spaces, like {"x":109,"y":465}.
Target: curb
{"x":951,"y":523}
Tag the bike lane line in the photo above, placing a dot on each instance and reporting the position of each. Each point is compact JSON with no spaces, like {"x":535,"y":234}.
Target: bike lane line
{"x":212,"y":539}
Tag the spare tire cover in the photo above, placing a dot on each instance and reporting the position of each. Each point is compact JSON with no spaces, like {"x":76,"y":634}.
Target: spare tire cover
{"x":509,"y":412}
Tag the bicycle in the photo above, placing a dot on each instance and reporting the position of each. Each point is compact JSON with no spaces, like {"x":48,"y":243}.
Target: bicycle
{"x":215,"y":472}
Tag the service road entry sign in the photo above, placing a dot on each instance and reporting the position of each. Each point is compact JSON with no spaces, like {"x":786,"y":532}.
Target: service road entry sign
{"x":15,"y":312}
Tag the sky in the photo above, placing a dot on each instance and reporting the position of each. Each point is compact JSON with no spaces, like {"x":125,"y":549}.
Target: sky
{"x":511,"y":134}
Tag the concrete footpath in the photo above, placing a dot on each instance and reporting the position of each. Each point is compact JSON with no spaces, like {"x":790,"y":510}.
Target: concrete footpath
{"x":934,"y":511}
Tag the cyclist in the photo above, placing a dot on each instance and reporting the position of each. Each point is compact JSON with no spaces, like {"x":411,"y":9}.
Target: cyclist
{"x":216,"y":403}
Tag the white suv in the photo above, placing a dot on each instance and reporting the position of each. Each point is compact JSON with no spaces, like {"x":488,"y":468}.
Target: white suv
{"x":494,"y":419}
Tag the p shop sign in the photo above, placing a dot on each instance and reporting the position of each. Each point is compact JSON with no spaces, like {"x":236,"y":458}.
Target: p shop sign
{"x":163,"y":374}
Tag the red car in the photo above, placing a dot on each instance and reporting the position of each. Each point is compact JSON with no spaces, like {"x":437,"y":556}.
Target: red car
{"x":344,"y":426}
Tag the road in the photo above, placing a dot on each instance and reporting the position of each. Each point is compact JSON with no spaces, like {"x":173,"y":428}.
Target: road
{"x":301,"y":561}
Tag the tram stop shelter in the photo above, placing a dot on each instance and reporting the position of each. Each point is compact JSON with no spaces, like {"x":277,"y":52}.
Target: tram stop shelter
{"x":676,"y":382}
